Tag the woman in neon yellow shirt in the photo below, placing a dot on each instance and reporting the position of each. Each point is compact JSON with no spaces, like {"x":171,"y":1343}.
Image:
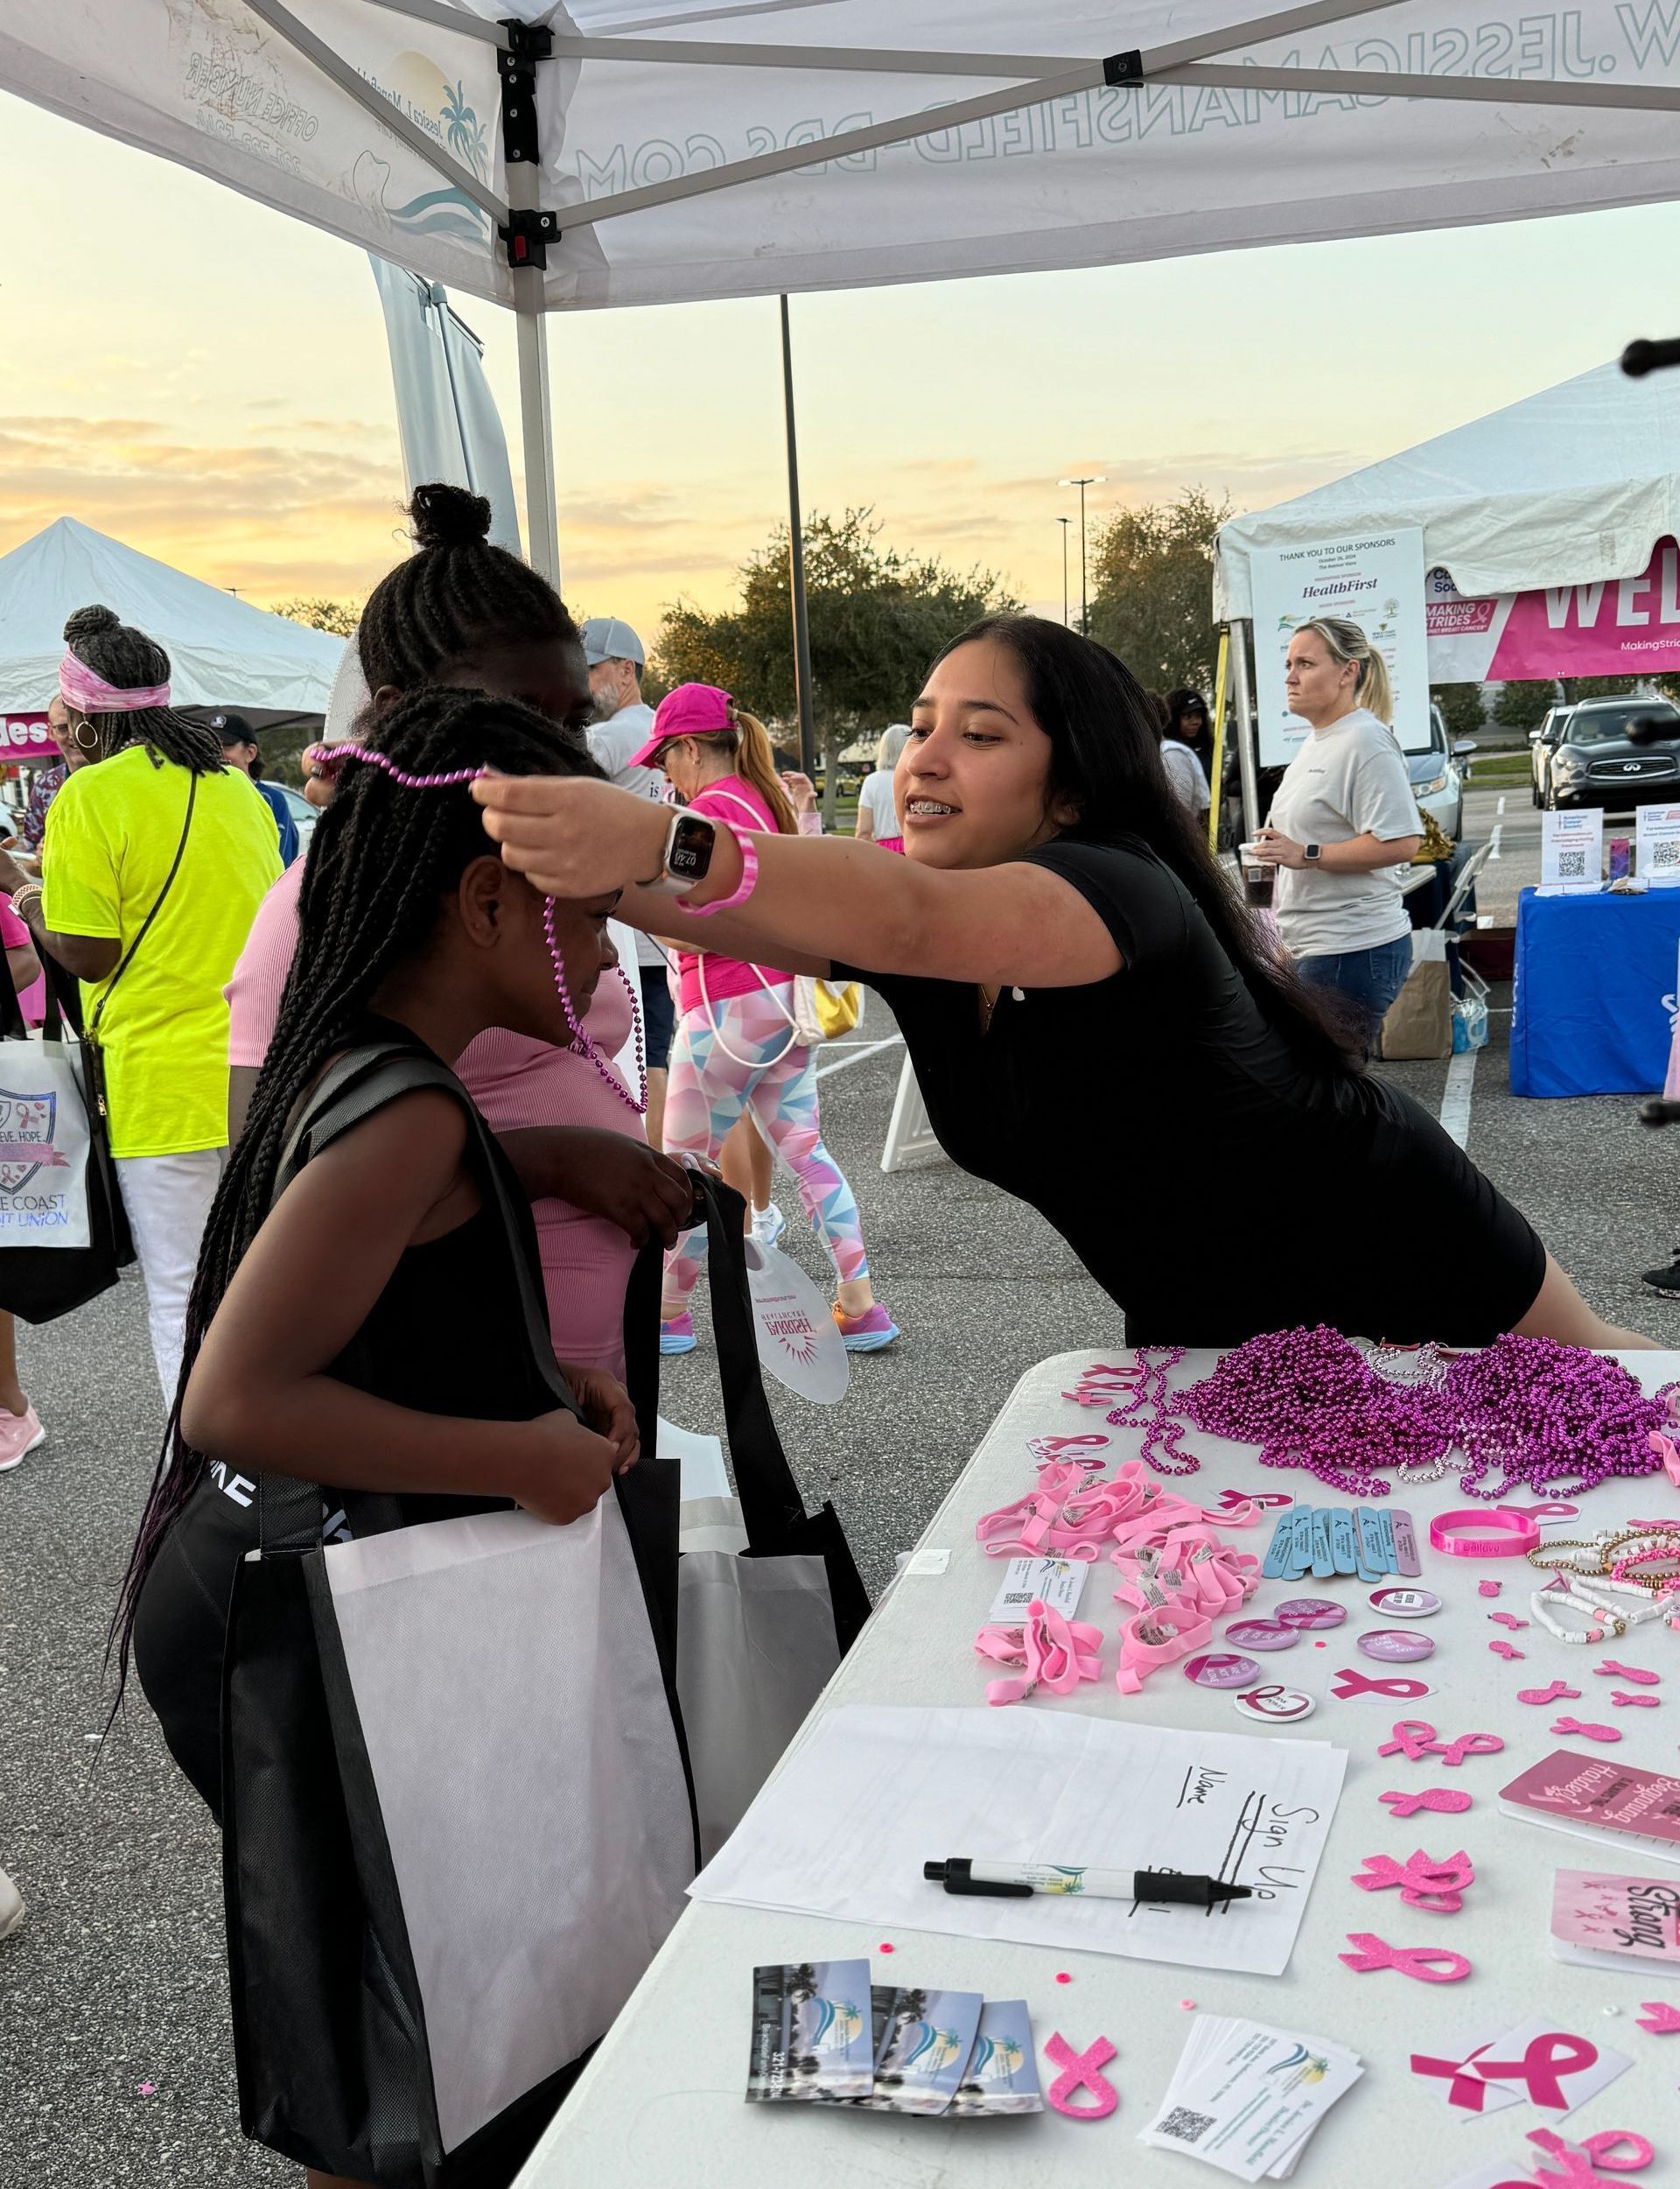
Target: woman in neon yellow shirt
{"x":156,"y":858}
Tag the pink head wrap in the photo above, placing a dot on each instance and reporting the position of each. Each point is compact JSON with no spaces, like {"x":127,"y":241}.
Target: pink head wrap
{"x":80,"y":687}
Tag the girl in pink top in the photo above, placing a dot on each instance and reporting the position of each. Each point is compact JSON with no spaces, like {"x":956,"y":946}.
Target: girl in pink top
{"x":736,"y":1045}
{"x":462,"y":612}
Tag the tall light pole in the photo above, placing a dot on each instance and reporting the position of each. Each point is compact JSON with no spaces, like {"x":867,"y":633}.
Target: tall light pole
{"x":1092,"y":479}
{"x":1064,"y":522}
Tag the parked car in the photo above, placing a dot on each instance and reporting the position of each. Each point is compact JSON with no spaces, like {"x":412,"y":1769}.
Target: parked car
{"x":1437,"y":778}
{"x":1596,"y":760}
{"x":1540,"y":744}
{"x":301,"y":812}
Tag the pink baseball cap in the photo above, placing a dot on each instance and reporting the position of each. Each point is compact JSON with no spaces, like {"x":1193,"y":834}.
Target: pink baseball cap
{"x":690,"y":711}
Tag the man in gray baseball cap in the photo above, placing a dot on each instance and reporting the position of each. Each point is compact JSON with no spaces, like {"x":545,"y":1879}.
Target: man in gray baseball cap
{"x":623,"y":724}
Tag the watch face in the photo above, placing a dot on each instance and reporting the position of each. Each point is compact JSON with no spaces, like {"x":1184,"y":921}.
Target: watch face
{"x":689,"y":856}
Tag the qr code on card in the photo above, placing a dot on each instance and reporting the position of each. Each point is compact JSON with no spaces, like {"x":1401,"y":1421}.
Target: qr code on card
{"x":1665,"y":853}
{"x":1571,"y":862}
{"x":1185,"y":2127}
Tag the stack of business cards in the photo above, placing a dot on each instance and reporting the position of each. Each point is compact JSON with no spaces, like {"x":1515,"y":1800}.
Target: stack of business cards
{"x":1246,"y":2098}
{"x":824,"y":2035}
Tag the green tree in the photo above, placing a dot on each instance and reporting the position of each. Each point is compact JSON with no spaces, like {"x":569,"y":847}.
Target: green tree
{"x":1462,"y":709}
{"x":1523,"y":705}
{"x":340,"y":617}
{"x":1152,"y":584}
{"x":877,"y":617}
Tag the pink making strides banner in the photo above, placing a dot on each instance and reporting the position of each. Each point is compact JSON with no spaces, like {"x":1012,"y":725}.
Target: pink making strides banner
{"x":1627,"y":627}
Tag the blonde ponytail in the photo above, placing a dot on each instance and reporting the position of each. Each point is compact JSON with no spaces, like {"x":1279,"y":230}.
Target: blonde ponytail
{"x":755,"y":760}
{"x":1347,"y":642}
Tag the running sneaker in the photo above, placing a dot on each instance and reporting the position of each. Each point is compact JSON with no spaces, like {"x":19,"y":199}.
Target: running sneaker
{"x":768,"y":1224}
{"x":870,"y":1333}
{"x":11,"y":1906}
{"x":677,"y":1336}
{"x":20,"y":1432}
{"x":1666,"y":1281}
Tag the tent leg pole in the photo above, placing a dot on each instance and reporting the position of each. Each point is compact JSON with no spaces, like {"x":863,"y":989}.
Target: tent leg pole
{"x":804,"y":696}
{"x":1247,"y":759}
{"x":536,"y":427}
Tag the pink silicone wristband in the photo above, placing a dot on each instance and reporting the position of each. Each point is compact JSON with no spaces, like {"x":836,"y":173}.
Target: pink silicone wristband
{"x":1514,"y":1532}
{"x":743,"y":889}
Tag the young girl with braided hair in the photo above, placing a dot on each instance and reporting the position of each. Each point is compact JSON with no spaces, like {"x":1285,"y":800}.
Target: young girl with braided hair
{"x":461,"y":614}
{"x":155,"y":860}
{"x":312,"y":1330}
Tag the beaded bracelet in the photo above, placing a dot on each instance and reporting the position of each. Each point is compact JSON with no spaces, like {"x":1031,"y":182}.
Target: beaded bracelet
{"x":1653,"y":1550}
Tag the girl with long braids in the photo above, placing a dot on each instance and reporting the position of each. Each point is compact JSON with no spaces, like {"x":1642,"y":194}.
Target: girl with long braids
{"x":312,"y":1332}
{"x":156,"y":858}
{"x":460,"y":613}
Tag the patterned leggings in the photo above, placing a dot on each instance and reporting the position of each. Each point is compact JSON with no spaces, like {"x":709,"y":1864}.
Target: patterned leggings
{"x":708,"y":1089}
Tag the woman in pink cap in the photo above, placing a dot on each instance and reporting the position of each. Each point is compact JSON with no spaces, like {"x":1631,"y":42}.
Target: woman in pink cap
{"x":737,"y":1045}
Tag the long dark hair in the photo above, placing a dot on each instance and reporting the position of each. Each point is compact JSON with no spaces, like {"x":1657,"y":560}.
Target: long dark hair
{"x":126,"y":657}
{"x":455,"y":599}
{"x":381,"y":864}
{"x":1182,"y":702}
{"x":1105,"y":760}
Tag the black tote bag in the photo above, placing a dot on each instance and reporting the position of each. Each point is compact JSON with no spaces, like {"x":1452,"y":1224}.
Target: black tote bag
{"x":41,"y":1283}
{"x":769,"y":1595}
{"x":403,"y":1852}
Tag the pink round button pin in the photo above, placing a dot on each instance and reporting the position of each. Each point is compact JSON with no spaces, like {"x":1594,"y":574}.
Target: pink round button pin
{"x":1214,"y":1669}
{"x":1273,"y":1705}
{"x":1396,"y":1646}
{"x":1263,"y":1634}
{"x":1311,"y":1611}
{"x":1405,"y":1604}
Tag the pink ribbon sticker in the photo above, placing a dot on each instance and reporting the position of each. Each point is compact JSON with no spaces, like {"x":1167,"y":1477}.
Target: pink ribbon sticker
{"x":1076,"y":1448}
{"x":1446,"y":1800}
{"x":1081,"y":2071}
{"x":1489,"y":1587}
{"x":1610,"y":1670}
{"x":1636,"y":1702}
{"x":1559,"y":1691}
{"x":1545,"y":2061}
{"x":1508,"y":1619}
{"x":1414,"y":1738}
{"x":1429,"y":1965}
{"x":1586,"y":1732}
{"x":1504,"y":1649}
{"x":1426,"y":1881}
{"x":1350,"y":1682}
{"x":1658,"y":2017}
{"x":1581,"y":2161}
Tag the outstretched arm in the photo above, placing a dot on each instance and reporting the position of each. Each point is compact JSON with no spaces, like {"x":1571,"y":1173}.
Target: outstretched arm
{"x":817,"y":900}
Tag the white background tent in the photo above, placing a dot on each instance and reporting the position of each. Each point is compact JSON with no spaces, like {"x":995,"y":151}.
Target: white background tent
{"x":654,"y":151}
{"x":222,"y":651}
{"x":1573,"y":485}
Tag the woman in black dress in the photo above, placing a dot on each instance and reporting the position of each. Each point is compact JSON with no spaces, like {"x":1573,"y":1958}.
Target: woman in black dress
{"x":1087,"y":1004}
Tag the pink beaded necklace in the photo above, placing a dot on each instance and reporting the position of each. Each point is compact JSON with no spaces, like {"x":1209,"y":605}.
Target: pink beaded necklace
{"x":580,"y":1039}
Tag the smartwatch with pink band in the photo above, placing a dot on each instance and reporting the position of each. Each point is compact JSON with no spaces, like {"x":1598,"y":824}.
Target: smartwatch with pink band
{"x":1499,"y":1531}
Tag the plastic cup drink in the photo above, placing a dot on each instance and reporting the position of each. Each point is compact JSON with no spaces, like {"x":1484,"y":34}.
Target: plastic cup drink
{"x":1259,"y":878}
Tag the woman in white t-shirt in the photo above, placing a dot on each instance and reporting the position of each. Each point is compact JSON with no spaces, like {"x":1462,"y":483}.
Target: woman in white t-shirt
{"x":878,"y":817}
{"x":1344,"y":824}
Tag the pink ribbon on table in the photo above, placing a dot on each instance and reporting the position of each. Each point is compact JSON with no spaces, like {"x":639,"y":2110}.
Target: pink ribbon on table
{"x":1504,"y":1649}
{"x":1668,"y":1452}
{"x":1585,"y":1732}
{"x":1414,"y":1738}
{"x":1658,"y":2017}
{"x":1436,"y":1882}
{"x":1545,"y":2060}
{"x":1559,"y":1691}
{"x":1350,"y":1682}
{"x":1079,"y":1449}
{"x":1608,"y":1669}
{"x":1636,"y":1702}
{"x":1579,"y":2162}
{"x":1081,"y":2071}
{"x":1429,"y":1964}
{"x":1445,"y":1800}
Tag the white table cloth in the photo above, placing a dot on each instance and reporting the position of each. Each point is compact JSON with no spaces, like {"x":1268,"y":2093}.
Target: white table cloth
{"x":662,"y":2103}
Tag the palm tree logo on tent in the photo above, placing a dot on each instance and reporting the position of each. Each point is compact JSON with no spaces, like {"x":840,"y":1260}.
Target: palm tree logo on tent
{"x":462,"y":128}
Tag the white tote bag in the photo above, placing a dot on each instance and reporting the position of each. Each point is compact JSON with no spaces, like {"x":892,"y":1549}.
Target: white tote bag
{"x":44,"y":1145}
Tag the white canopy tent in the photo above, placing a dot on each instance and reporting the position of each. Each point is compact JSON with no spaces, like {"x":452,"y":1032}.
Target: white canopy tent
{"x":640,"y":151}
{"x":1575,"y":484}
{"x":1570,"y":486}
{"x":222,"y":651}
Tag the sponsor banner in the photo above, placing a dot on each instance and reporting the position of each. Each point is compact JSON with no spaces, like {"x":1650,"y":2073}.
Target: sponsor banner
{"x":26,"y":737}
{"x":1627,"y":627}
{"x":1376,"y":582}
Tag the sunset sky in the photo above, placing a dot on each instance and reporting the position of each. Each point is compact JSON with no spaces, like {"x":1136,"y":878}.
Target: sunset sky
{"x":208,"y":381}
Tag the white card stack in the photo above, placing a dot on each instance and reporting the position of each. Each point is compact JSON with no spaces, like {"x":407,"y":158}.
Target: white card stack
{"x":1246,"y":2098}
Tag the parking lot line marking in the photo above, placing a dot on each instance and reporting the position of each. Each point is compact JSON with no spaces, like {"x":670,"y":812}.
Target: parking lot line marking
{"x":1500,"y":808}
{"x":1455,"y":1097}
{"x":858,"y":1055}
{"x":1492,"y":841}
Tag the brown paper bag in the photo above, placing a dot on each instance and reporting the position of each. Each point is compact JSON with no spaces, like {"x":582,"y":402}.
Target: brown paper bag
{"x":1419,"y":1022}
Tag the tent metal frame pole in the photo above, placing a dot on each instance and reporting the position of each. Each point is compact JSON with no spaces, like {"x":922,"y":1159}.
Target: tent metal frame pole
{"x":445,"y":15}
{"x":805,"y":699}
{"x":1367,"y":83}
{"x":281,"y":20}
{"x":528,"y":269}
{"x":1248,"y":759}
